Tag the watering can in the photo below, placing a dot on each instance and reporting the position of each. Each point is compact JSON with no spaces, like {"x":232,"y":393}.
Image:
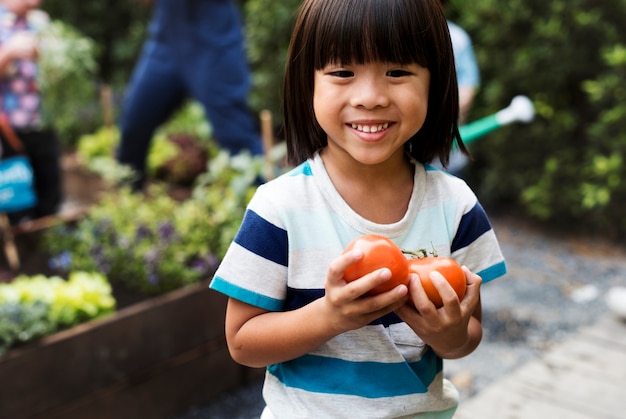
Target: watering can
{"x":521,"y":109}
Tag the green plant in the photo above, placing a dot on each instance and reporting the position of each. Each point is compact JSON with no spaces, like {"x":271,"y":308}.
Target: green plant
{"x":167,"y":158}
{"x":67,"y":81}
{"x":117,"y":27}
{"x":569,"y":57}
{"x":34,"y":306}
{"x":267,"y":50}
{"x":155,"y":244}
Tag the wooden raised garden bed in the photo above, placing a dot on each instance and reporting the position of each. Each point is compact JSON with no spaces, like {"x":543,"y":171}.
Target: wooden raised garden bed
{"x":152,"y":359}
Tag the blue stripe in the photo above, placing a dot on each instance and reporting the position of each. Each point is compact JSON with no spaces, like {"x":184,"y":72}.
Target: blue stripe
{"x":493,"y":272}
{"x":303,"y":169}
{"x":297,"y":298}
{"x":321,"y":374}
{"x":263,"y":238}
{"x":473,"y":225}
{"x":249,"y":297}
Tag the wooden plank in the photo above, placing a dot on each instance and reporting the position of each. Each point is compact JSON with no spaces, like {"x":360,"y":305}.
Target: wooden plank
{"x":10,"y":250}
{"x":510,"y":402}
{"x":83,"y":360}
{"x":536,"y":392}
{"x":591,"y":357}
{"x":600,"y":396}
{"x":581,"y":378}
{"x":194,"y":379}
{"x":608,"y":330}
{"x":48,"y":221}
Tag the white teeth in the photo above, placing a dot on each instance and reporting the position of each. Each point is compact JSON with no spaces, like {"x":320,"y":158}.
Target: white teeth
{"x":370,"y":128}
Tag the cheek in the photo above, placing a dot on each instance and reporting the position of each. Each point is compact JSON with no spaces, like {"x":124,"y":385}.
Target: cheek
{"x":323,"y":106}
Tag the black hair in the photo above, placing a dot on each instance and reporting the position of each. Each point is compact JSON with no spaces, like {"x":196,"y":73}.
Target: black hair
{"x":362,"y":31}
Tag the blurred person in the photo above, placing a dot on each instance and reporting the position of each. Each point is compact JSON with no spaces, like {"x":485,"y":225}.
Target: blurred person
{"x":21,"y":101}
{"x":467,"y":71}
{"x":468,"y":79}
{"x":195,"y":49}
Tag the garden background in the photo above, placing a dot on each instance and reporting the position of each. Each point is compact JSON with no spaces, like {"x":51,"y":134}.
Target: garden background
{"x":568,"y":56}
{"x":563,"y":171}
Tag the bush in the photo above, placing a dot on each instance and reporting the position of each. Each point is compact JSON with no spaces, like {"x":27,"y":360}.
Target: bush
{"x":267,"y":50}
{"x":178,"y":151}
{"x":156,"y":244}
{"x":569,"y":57}
{"x":117,"y":27}
{"x":67,"y":81}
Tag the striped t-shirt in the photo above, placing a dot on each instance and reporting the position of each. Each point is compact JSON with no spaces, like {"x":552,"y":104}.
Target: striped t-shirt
{"x":293,"y":228}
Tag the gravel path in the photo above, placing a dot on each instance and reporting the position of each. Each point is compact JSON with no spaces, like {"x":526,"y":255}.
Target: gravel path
{"x":556,"y":284}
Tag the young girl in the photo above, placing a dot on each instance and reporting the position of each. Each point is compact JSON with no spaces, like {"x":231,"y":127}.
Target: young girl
{"x":370,"y":96}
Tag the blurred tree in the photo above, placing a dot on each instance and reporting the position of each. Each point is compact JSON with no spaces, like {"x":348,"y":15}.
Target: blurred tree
{"x":268,"y":27}
{"x":117,"y":26}
{"x":568,"y":56}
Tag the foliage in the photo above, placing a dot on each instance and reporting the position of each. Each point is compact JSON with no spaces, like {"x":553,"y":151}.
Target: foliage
{"x":157,"y":244}
{"x":96,"y":151}
{"x":117,"y":26}
{"x":267,"y":49}
{"x":569,"y":57}
{"x":67,"y":81}
{"x":31,"y":307}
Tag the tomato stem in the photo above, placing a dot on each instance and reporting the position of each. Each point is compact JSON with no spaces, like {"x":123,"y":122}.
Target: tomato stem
{"x":421,"y":253}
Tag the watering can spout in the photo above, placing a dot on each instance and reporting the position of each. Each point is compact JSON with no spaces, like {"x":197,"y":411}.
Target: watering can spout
{"x":521,"y":109}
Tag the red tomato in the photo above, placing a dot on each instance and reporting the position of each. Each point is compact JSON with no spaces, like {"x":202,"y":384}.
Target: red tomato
{"x":445,"y":266}
{"x":378,"y":252}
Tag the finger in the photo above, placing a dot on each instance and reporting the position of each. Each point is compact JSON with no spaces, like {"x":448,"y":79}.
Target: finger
{"x":366,"y":283}
{"x":473,"y":282}
{"x":472,"y":293}
{"x":420,"y":299}
{"x":443,"y":287}
{"x":394,"y":298}
{"x":386,"y":302}
{"x":339,"y":265}
{"x":470,"y":277}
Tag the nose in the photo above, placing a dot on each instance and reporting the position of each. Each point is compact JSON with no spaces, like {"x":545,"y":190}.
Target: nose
{"x":369,"y":92}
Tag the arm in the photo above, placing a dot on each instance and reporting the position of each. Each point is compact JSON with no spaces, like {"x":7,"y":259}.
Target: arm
{"x":22,"y":45}
{"x":466,"y":99}
{"x":454,"y":330}
{"x":258,"y":338}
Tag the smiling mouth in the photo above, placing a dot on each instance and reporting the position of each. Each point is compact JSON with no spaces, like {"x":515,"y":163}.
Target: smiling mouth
{"x":370,"y":128}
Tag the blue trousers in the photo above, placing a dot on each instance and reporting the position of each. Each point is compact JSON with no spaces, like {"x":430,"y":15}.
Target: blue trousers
{"x":195,"y":49}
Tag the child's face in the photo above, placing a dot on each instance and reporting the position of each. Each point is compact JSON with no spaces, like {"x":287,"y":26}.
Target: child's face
{"x":371,"y":110}
{"x":21,"y":7}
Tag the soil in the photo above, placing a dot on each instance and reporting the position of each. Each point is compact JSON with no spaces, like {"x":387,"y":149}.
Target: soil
{"x":555,"y":284}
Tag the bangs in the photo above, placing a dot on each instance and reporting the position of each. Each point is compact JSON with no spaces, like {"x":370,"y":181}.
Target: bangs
{"x":355,"y":32}
{"x":361,"y":31}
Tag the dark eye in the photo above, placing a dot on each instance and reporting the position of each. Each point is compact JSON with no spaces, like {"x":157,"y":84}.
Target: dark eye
{"x":397,"y":73}
{"x":342,"y":73}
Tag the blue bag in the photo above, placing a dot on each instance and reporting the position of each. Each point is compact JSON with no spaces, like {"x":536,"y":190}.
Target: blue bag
{"x":16,"y":184}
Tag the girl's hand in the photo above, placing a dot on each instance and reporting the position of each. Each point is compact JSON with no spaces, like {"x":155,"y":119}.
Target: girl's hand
{"x":453,"y":330}
{"x":257,"y":337}
{"x":347,"y":305}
